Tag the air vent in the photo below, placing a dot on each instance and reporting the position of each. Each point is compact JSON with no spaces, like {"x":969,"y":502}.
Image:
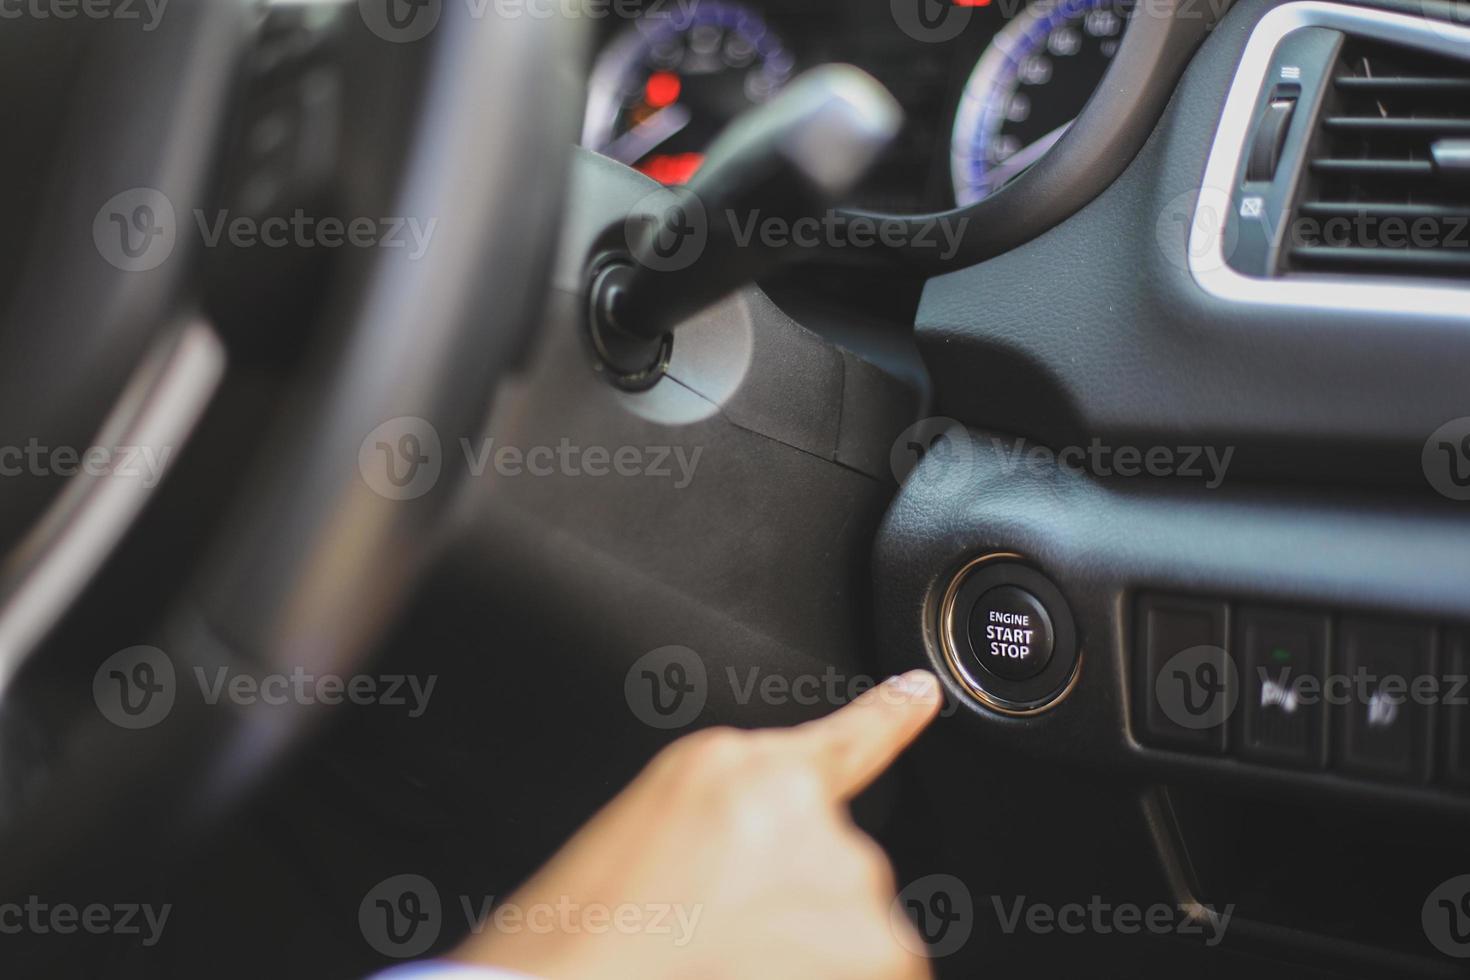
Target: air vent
{"x":1387,"y":184}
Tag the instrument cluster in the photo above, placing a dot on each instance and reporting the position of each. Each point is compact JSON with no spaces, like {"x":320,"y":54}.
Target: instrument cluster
{"x":987,"y":86}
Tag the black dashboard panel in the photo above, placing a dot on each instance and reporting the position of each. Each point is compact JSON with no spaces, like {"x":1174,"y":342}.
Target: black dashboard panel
{"x":1327,"y":864}
{"x":1119,"y":342}
{"x":1217,"y":489}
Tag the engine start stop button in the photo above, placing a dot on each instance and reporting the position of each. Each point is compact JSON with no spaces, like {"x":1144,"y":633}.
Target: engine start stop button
{"x":1011,"y":634}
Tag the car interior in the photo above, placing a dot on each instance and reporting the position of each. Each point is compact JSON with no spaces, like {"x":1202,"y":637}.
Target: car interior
{"x":415,"y":414}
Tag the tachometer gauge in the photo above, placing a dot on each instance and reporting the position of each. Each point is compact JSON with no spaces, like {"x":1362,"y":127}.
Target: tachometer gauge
{"x":1028,"y":86}
{"x":664,"y":88}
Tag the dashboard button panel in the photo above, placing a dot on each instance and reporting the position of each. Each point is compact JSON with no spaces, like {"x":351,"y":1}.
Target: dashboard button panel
{"x":1386,"y":720}
{"x":1188,"y":681}
{"x":1284,"y":666}
{"x":1362,"y":697}
{"x":1457,"y":709}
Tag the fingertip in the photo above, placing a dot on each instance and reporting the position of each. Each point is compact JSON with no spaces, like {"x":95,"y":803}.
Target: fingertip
{"x":921,"y":685}
{"x":916,"y":688}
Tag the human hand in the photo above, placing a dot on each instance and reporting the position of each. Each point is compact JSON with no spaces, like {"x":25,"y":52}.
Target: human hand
{"x":745,"y":837}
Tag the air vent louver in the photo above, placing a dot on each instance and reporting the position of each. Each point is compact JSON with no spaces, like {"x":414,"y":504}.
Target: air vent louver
{"x":1387,"y":185}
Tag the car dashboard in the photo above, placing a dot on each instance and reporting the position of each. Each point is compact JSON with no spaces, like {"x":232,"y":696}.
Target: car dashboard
{"x":986,"y":87}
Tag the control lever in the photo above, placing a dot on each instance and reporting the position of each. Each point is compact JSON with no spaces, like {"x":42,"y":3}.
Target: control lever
{"x":792,"y":158}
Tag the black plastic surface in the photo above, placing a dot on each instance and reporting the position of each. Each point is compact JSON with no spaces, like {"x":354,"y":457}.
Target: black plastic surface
{"x":1097,"y":147}
{"x":1105,"y":542}
{"x":1098,"y":329}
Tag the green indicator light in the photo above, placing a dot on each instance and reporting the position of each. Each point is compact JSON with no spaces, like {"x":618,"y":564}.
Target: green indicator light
{"x":1281,"y":655}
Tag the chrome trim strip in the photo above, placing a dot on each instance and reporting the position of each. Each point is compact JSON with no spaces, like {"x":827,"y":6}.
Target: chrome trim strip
{"x":49,"y":568}
{"x":949,"y":646}
{"x":1207,"y":229}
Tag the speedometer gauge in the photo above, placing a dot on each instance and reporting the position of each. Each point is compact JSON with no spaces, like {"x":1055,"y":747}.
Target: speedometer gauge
{"x":663,"y":89}
{"x":1028,"y":86}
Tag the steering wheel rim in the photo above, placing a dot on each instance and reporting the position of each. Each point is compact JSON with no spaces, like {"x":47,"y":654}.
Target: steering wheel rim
{"x":317,"y":556}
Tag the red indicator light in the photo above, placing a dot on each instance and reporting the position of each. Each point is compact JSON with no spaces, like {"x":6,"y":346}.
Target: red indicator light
{"x":972,"y":3}
{"x":663,"y":89}
{"x":672,"y":168}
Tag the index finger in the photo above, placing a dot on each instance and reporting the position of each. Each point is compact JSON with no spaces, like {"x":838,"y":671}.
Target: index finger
{"x":856,"y":743}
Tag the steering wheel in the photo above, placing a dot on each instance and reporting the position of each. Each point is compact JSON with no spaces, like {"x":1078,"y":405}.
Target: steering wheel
{"x":123,"y":150}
